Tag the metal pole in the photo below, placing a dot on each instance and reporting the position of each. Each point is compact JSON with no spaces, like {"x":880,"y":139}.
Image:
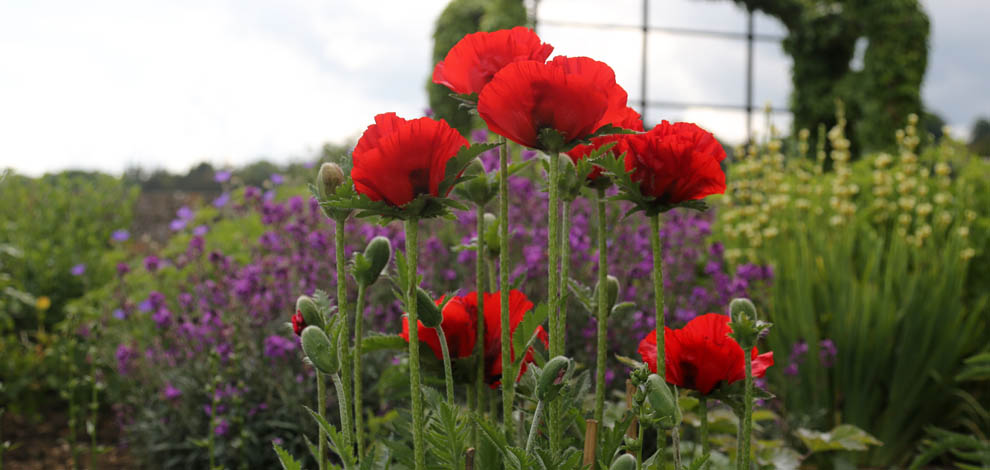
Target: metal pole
{"x":646,"y":36}
{"x":749,"y":76}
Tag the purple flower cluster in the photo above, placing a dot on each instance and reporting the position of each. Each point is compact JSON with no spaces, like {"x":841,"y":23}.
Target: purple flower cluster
{"x":826,"y":355}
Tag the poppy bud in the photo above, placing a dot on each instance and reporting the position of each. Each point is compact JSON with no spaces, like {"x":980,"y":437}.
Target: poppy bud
{"x":376,"y":255}
{"x":320,"y":350}
{"x":663,"y":402}
{"x":307,"y":308}
{"x":491,"y":234}
{"x":611,"y":292}
{"x":477,"y":189}
{"x":427,"y":310}
{"x":327,"y":180}
{"x":552,"y":378}
{"x":624,"y":462}
{"x":742,"y":306}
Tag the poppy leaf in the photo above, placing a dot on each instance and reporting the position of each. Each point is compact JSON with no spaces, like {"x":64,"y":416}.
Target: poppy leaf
{"x":457,"y":164}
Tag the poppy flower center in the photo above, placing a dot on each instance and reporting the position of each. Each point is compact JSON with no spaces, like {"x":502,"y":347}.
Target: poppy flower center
{"x":419,"y":179}
{"x":689,"y":373}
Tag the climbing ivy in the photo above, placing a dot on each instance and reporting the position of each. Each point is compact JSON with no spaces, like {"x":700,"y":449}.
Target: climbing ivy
{"x":821,"y":40}
{"x":459,"y":18}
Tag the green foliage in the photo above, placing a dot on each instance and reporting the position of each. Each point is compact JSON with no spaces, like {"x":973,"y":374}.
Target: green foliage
{"x":877,"y":257}
{"x":460,"y":18}
{"x":843,"y":437}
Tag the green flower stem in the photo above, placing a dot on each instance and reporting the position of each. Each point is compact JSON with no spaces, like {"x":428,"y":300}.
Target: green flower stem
{"x":492,"y":276}
{"x":479,"y":285}
{"x":321,"y":408}
{"x":658,"y":305}
{"x":345,"y":363}
{"x":412,"y":259}
{"x":675,"y":435}
{"x":553,"y":253}
{"x":703,"y":412}
{"x":448,"y":374}
{"x":565,"y":273}
{"x":533,"y":427}
{"x":602,"y":309}
{"x":358,"y":399}
{"x":739,"y":432}
{"x":94,"y":408}
{"x":747,"y":426}
{"x":639,"y":448}
{"x":508,"y":372}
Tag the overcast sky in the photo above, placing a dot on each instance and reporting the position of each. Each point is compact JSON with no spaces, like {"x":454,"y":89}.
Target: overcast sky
{"x":109,"y":84}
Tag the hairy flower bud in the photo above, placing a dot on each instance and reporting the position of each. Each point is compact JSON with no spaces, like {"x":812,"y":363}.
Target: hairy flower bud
{"x":320,"y":350}
{"x":427,"y":310}
{"x":611,"y":292}
{"x":624,"y":462}
{"x":663,"y":401}
{"x":370,"y":265}
{"x":306,"y":307}
{"x":746,"y":327}
{"x":552,"y":378}
{"x":327,"y":180}
{"x":742,"y":306}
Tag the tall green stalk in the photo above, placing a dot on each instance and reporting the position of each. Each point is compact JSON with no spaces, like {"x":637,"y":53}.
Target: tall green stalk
{"x":602,"y":308}
{"x":412,"y":260}
{"x":534,"y":426}
{"x":342,"y":404}
{"x":448,"y":374}
{"x":358,"y":399}
{"x":747,"y":425}
{"x":703,"y":416}
{"x":658,"y":305}
{"x":508,"y":372}
{"x":553,"y":254}
{"x":565,"y":273}
{"x":479,"y":342}
{"x":345,"y":364}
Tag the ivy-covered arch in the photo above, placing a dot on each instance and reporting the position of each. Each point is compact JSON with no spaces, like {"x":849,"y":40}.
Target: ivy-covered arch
{"x":821,"y":40}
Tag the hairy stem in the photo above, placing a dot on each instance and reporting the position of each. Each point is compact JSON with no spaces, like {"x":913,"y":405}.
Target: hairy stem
{"x":479,"y":342}
{"x":345,"y":363}
{"x":534,"y":427}
{"x":658,"y":305}
{"x":358,"y":399}
{"x":602,"y":309}
{"x":747,"y":427}
{"x":412,"y":259}
{"x":321,"y":408}
{"x":508,"y":372}
{"x":448,"y":374}
{"x":342,"y":404}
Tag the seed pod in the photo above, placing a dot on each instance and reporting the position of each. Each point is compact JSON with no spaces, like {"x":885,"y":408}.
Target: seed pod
{"x":427,"y":310}
{"x":624,"y":462}
{"x":377,"y":254}
{"x":663,"y":401}
{"x":320,"y":350}
{"x":551,"y":379}
{"x":306,"y":307}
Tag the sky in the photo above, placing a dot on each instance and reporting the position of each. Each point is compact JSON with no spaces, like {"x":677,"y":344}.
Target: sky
{"x":111,"y":84}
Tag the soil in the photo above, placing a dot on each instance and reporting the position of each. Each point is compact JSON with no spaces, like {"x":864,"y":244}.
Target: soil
{"x":44,"y":445}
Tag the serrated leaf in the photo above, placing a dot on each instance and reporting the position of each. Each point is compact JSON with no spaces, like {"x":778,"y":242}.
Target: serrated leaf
{"x":525,"y":332}
{"x":457,"y":164}
{"x":287,"y":461}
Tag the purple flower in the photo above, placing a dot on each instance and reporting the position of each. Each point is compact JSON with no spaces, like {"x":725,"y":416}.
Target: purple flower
{"x":177,"y":225}
{"x":78,"y":270}
{"x":221,"y":176}
{"x":162,"y":317}
{"x":200,"y":230}
{"x":124,"y":357}
{"x":791,"y":370}
{"x":221,"y":200}
{"x":479,"y":135}
{"x":528,"y":154}
{"x":170,"y":392}
{"x":827,"y":352}
{"x":278,"y":347}
{"x":277,"y":179}
{"x":222,"y":428}
{"x":122,"y":269}
{"x":152,"y":263}
{"x":119,"y":314}
{"x":185,"y":213}
{"x":120,"y":235}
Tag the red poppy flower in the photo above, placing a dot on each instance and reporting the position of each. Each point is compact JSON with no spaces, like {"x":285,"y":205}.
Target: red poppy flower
{"x":631,"y":120}
{"x":298,"y":323}
{"x":458,"y":327}
{"x":519,"y":306}
{"x":701,"y":355}
{"x":676,"y":162}
{"x":475,"y":59}
{"x":397,"y":160}
{"x":573,"y":95}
